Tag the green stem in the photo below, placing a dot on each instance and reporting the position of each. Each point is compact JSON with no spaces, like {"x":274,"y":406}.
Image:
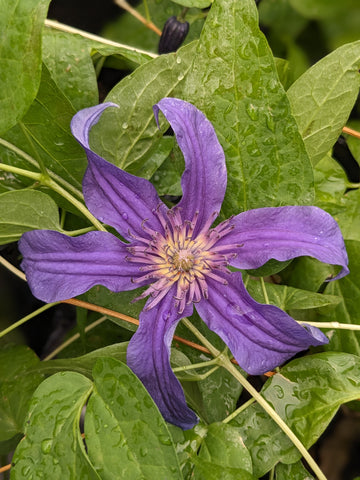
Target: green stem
{"x":72,"y":339}
{"x":199,"y":377}
{"x":336,"y":325}
{"x":49,"y":182}
{"x":263,"y":287}
{"x":25,"y":319}
{"x":81,"y":231}
{"x":147,"y":12}
{"x":65,"y":28}
{"x":192,"y":366}
{"x":239,"y":410}
{"x":33,"y":162}
{"x":12,"y":269}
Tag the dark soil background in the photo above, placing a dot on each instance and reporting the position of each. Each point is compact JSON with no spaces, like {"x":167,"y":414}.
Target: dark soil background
{"x":337,"y":451}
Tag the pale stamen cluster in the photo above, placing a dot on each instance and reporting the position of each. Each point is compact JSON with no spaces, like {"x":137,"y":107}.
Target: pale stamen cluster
{"x":177,"y":256}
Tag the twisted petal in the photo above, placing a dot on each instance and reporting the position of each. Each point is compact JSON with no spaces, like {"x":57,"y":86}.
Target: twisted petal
{"x":148,"y":356}
{"x":284,"y":233}
{"x":260,"y":337}
{"x":111,"y":194}
{"x":204,"y":179}
{"x":58,"y":267}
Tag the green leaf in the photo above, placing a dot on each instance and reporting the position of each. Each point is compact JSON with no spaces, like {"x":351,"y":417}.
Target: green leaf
{"x":306,"y":394}
{"x":16,"y":388}
{"x":224,"y":447}
{"x":194,"y":3}
{"x":68,"y":60}
{"x":126,"y":435}
{"x":127,"y":136}
{"x":20,"y":57}
{"x":289,"y":298}
{"x":53,"y":446}
{"x":322,"y":8}
{"x":323,"y":97}
{"x":24,"y":210}
{"x":348,"y":288}
{"x":233,"y":79}
{"x":208,"y":471}
{"x":83,"y":364}
{"x":44,"y":133}
{"x":294,"y":471}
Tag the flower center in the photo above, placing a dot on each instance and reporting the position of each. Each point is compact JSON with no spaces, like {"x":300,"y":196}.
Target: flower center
{"x":177,"y":256}
{"x":183,"y":260}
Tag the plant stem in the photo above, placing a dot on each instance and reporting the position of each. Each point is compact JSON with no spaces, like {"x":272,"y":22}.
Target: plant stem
{"x":192,"y":366}
{"x":28,"y":317}
{"x":264,"y":290}
{"x":49,"y":182}
{"x":72,"y":339}
{"x":95,"y":38}
{"x":336,"y":325}
{"x":12,"y":269}
{"x":123,"y":4}
{"x":239,"y":410}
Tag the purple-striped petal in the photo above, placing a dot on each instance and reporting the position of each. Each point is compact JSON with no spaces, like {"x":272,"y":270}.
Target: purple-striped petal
{"x":148,"y":356}
{"x":58,"y":267}
{"x":284,"y":233}
{"x":204,"y":179}
{"x":114,"y":196}
{"x":261,"y":337}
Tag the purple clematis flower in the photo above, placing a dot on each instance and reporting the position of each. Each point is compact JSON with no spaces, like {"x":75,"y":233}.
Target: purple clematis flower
{"x":181,"y":257}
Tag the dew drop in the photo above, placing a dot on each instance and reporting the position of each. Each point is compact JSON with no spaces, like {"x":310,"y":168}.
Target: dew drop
{"x":180,"y":77}
{"x":252,"y":111}
{"x":25,"y":471}
{"x":46,"y":445}
{"x":166,"y":315}
{"x":125,"y":216}
{"x":124,"y":125}
{"x":279,"y":391}
{"x":165,"y":439}
{"x":143,"y":451}
{"x":178,"y":60}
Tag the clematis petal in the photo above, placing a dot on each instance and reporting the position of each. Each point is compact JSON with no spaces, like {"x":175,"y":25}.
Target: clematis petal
{"x":284,"y":233}
{"x":204,"y":179}
{"x":58,"y":267}
{"x":261,"y":337}
{"x":114,"y":196}
{"x":148,"y":356}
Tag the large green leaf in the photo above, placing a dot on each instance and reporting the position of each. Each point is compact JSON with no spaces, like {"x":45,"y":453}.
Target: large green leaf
{"x":348,"y":288}
{"x":306,"y":394}
{"x":128,"y":136}
{"x":53,"y":447}
{"x":21,"y":25}
{"x":294,"y":471}
{"x":322,"y":98}
{"x":44,"y":133}
{"x":233,"y":79}
{"x":16,"y":388}
{"x":126,"y":435}
{"x":23,"y":210}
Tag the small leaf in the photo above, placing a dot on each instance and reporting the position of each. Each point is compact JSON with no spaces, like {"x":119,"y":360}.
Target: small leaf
{"x":21,"y":25}
{"x":53,"y":446}
{"x":23,"y":210}
{"x":126,"y":434}
{"x":323,"y":97}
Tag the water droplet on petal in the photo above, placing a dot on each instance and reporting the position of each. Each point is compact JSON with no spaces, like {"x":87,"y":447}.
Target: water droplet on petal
{"x":125,"y":216}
